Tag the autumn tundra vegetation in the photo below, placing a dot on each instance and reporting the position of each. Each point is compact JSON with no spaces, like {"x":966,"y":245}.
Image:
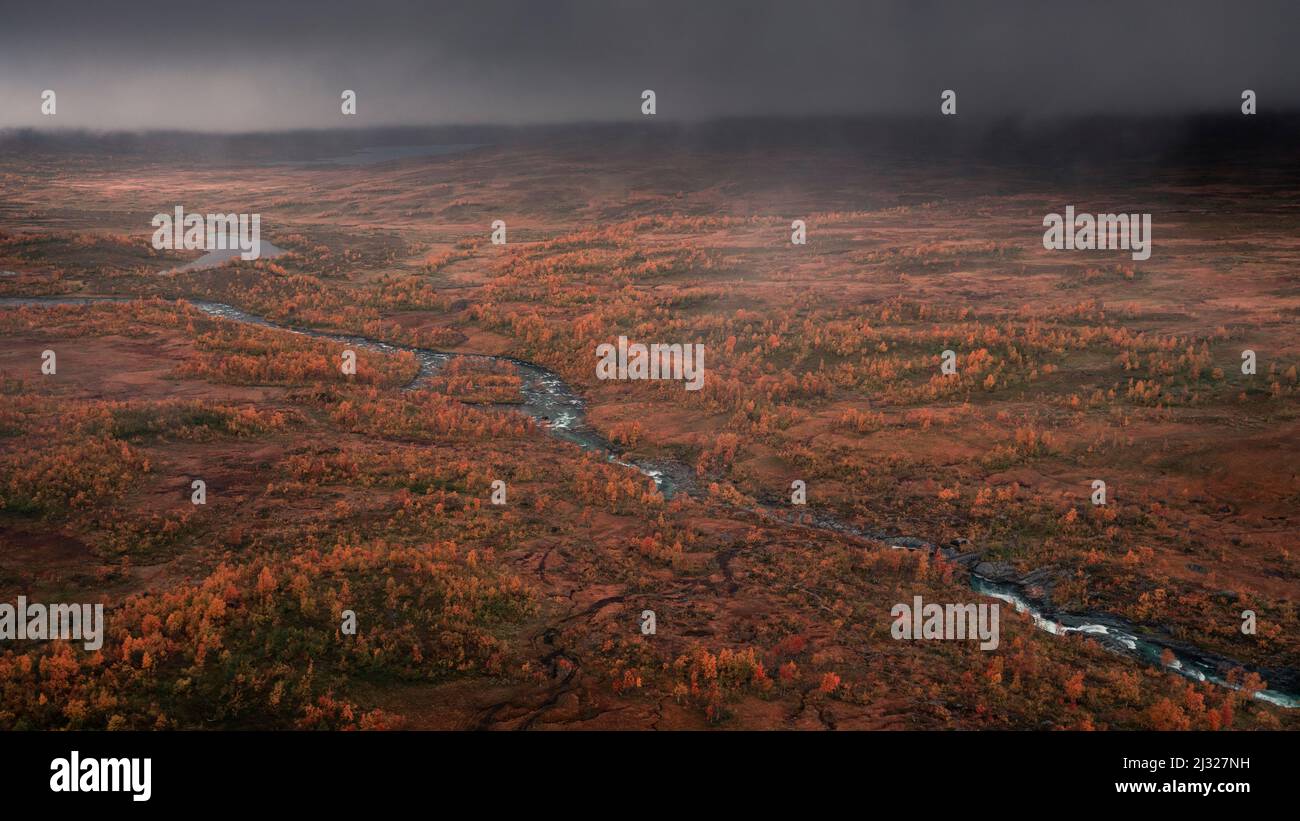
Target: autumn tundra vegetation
{"x":370,"y":492}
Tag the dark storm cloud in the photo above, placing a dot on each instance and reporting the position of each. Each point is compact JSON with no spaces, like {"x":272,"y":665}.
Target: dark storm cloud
{"x":259,"y":65}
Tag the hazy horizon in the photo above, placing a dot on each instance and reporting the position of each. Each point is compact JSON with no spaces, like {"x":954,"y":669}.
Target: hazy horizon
{"x":981,"y":122}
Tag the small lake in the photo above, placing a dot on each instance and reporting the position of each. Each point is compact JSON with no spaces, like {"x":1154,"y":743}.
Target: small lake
{"x":214,"y":258}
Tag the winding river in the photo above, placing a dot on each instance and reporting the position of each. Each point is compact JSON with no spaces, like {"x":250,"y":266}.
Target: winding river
{"x":561,"y":412}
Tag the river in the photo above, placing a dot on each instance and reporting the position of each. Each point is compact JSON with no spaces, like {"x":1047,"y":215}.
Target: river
{"x":561,"y":412}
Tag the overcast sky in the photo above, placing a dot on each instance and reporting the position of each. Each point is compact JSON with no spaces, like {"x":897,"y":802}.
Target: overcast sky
{"x":241,"y":66}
